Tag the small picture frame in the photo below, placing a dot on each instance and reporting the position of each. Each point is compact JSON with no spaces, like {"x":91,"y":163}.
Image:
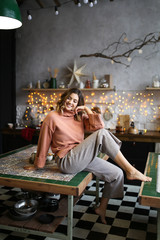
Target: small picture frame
{"x":109,"y":80}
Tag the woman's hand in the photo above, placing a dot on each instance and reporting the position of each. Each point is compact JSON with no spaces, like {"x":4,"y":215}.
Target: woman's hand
{"x":83,"y":108}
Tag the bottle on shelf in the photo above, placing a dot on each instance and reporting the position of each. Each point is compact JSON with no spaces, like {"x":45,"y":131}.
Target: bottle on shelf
{"x":88,"y":84}
{"x":53,"y":83}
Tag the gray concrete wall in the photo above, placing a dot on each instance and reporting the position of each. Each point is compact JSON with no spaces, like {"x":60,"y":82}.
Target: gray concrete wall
{"x":56,"y":41}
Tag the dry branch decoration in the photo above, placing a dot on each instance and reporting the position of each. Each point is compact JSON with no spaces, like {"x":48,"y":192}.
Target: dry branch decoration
{"x":122,"y":51}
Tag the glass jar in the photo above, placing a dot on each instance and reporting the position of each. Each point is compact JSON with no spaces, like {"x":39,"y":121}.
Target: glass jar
{"x":88,"y":84}
{"x":155,"y":81}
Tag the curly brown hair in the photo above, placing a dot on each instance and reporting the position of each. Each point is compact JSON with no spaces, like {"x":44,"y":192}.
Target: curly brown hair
{"x":65,"y":96}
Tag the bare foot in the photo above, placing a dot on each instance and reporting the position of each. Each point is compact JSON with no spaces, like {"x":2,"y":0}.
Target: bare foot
{"x":101,"y":214}
{"x":137,"y":175}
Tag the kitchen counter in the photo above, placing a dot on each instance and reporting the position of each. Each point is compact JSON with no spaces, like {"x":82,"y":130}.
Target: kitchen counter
{"x":149,"y":136}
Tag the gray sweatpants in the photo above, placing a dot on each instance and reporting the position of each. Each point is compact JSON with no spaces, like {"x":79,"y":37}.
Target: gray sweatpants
{"x":84,"y":158}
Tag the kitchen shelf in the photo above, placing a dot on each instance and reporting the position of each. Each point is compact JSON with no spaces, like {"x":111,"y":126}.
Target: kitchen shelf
{"x":153,"y":88}
{"x":63,"y":89}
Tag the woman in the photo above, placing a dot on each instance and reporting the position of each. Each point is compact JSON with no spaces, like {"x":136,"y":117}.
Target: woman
{"x":63,"y":131}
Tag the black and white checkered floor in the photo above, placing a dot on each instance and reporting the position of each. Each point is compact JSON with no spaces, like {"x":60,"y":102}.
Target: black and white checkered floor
{"x":126,"y":219}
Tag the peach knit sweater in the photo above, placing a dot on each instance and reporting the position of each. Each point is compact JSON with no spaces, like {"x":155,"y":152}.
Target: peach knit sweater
{"x":62,"y":133}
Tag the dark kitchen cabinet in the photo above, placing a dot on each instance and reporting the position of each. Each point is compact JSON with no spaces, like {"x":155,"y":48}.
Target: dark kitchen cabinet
{"x":136,"y":153}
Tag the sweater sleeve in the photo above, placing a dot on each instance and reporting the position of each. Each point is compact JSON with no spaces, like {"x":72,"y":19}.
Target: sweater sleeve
{"x":93,"y":122}
{"x":44,"y":143}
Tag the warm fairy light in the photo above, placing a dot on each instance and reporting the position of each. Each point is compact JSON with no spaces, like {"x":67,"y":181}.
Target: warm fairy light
{"x":122,"y":102}
{"x":140,"y":51}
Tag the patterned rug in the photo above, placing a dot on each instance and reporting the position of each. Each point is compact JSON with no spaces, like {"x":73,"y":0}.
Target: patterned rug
{"x":13,"y":165}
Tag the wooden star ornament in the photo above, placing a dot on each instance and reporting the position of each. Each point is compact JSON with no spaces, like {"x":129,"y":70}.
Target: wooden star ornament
{"x":75,"y":73}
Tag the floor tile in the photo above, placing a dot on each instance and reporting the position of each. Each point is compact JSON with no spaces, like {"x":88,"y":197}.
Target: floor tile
{"x":96,"y":236}
{"x":136,"y":234}
{"x":81,"y":233}
{"x":89,"y":217}
{"x":98,"y":227}
{"x":126,"y":209}
{"x":114,"y":237}
{"x":120,"y":231}
{"x":121,"y":223}
{"x":140,"y":218}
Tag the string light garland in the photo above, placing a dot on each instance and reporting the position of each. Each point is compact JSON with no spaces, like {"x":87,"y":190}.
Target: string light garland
{"x":78,"y":3}
{"x":136,"y":104}
{"x":91,"y":3}
{"x":56,"y":10}
{"x":29,"y":16}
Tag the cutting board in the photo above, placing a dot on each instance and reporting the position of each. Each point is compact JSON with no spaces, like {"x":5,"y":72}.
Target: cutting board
{"x":124,"y":121}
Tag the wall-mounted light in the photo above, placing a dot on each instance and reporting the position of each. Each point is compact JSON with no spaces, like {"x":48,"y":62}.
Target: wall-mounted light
{"x":56,"y":10}
{"x":29,"y":16}
{"x":85,"y":1}
{"x":95,"y":2}
{"x":10,"y":17}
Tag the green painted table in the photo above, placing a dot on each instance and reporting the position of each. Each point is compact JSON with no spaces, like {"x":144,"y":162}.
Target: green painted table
{"x":15,"y":176}
{"x":148,"y":195}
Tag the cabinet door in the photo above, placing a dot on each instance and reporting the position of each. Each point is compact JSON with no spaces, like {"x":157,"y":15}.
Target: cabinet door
{"x":136,"y":153}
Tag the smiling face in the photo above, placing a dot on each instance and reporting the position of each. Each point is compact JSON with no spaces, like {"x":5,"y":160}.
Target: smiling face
{"x":71,"y":102}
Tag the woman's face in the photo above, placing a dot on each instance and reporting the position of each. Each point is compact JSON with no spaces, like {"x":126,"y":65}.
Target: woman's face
{"x":71,"y":102}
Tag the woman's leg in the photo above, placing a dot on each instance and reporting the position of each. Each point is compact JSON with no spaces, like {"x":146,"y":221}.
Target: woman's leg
{"x":109,"y":173}
{"x":131,"y":172}
{"x":80,"y":156}
{"x":101,"y":210}
{"x":100,"y":141}
{"x":84,"y":155}
{"x":113,"y":187}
